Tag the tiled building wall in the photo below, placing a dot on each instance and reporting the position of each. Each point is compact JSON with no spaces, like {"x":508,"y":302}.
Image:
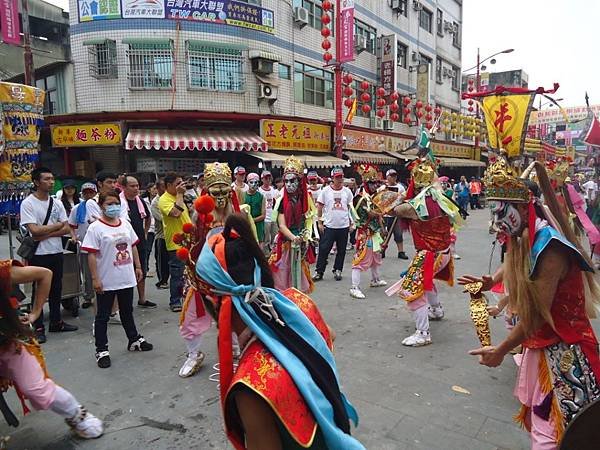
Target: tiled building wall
{"x":290,"y":42}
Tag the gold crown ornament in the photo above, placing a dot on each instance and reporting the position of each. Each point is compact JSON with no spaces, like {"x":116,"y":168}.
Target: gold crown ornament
{"x":423,"y":172}
{"x":368,"y":172}
{"x":502,"y":183}
{"x":217,"y":173}
{"x":558,"y":171}
{"x":293,"y":165}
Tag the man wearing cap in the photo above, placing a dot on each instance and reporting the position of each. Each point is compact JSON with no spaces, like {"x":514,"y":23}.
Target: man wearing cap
{"x":392,"y":184}
{"x":270,"y":195}
{"x":333,"y":211}
{"x":80,"y":219}
{"x":313,"y":185}
{"x":239,"y":185}
{"x":256,"y":201}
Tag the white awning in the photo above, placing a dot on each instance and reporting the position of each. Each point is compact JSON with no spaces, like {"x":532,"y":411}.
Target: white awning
{"x":368,"y":157}
{"x":310,"y":161}
{"x":201,"y":140}
{"x":459,"y":162}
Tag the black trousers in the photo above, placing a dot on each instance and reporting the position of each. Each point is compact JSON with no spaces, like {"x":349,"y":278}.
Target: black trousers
{"x":104,"y":304}
{"x":162,"y":260}
{"x":53,"y":262}
{"x":331,"y":235}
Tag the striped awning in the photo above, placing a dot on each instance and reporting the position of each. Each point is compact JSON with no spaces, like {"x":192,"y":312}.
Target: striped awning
{"x":203,"y":140}
{"x":370,"y":157}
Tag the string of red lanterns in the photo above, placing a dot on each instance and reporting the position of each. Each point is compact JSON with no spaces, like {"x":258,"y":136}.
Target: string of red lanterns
{"x":326,"y":31}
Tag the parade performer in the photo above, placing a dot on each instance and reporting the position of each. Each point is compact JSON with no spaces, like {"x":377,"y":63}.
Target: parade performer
{"x":369,"y":229}
{"x":296,"y":212}
{"x":550,"y":285}
{"x":431,"y":216}
{"x":22,"y":363}
{"x":285,"y":391}
{"x":194,"y":321}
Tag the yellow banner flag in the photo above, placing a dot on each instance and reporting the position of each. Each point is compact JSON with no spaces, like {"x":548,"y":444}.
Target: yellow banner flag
{"x":352,"y":111}
{"x":506,"y":118}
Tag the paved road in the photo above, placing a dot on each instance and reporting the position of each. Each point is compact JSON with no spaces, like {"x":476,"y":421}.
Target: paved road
{"x":404,"y":396}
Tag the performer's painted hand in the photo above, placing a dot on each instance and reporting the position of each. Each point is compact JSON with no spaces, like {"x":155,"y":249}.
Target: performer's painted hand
{"x":487,"y":280}
{"x":488,"y":356}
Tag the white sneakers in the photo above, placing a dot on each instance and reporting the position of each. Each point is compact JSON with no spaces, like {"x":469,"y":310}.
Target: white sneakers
{"x":419,"y":339}
{"x":191,"y":365}
{"x":436,"y":312}
{"x":378,"y":283}
{"x":355,"y":292}
{"x":86,"y":425}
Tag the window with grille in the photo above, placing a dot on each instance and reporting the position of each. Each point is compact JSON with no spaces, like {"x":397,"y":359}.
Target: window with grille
{"x":313,"y":86}
{"x":425,"y":19}
{"x":439,"y":25}
{"x":368,"y":32}
{"x":215,"y":68}
{"x":402,"y":55}
{"x":456,"y":35}
{"x":48,"y":84}
{"x":150,"y":65}
{"x":424,"y":59}
{"x":455,"y":78}
{"x":438,"y":70}
{"x":102,"y":59}
{"x":315,"y":12}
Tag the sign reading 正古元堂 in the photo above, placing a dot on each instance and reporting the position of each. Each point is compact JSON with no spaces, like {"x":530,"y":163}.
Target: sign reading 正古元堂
{"x":293,"y":136}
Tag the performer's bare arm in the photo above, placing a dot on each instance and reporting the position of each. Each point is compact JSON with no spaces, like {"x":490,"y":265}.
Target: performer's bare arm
{"x":488,"y":281}
{"x":43,"y":279}
{"x":285,"y":230}
{"x":179,"y":205}
{"x":260,"y":425}
{"x":406,"y":211}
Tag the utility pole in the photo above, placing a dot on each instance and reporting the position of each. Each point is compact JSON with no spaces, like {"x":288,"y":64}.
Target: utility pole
{"x":337,"y":72}
{"x":477,"y":84}
{"x":29,"y":71}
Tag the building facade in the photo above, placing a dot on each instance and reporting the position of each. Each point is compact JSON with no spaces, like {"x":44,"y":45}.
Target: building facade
{"x":176,"y":75}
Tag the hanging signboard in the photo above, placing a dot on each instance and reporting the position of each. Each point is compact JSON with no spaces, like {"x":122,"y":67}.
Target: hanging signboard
{"x":90,"y":10}
{"x":87,"y":135}
{"x":389,"y":61}
{"x":143,"y":9}
{"x":9,"y":21}
{"x":346,"y":31}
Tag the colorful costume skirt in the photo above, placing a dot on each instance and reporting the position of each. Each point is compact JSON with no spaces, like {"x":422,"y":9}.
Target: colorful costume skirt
{"x":368,"y":250}
{"x":281,"y":266}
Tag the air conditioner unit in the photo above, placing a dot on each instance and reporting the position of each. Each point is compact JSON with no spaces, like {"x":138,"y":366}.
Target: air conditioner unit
{"x":397,"y":6}
{"x":261,"y":65}
{"x":448,"y":26}
{"x":301,"y":16}
{"x":415,"y":57}
{"x":360,"y":44}
{"x":417,"y":6}
{"x":376,"y":123}
{"x":267,"y":92}
{"x":388,"y":125}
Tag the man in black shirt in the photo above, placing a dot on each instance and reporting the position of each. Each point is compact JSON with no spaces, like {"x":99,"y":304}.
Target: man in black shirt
{"x":134,"y":209}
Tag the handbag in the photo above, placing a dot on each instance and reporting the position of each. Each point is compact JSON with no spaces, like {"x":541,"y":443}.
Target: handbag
{"x":29,"y":245}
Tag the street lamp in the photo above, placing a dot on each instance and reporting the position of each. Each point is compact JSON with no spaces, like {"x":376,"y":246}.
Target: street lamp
{"x":551,"y":103}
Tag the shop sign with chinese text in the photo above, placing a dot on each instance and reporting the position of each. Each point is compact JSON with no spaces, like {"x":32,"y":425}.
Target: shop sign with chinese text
{"x":346,"y":53}
{"x":88,"y":135}
{"x":389,"y":61}
{"x":366,"y":142}
{"x":143,"y":9}
{"x":295,"y":136}
{"x":452,"y":150}
{"x":90,"y":10}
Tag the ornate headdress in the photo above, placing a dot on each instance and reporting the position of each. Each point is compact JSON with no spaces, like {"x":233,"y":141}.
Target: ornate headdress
{"x":502,"y":182}
{"x":217,"y":173}
{"x":558,"y":171}
{"x":293,"y":165}
{"x":423,"y":172}
{"x":368,"y":172}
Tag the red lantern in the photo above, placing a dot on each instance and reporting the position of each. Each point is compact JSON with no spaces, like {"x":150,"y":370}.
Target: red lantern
{"x":419,"y":104}
{"x":428,"y":117}
{"x":327,"y":56}
{"x":470,"y":89}
{"x":365,"y":97}
{"x":419,"y":114}
{"x":380,"y":102}
{"x":381,"y":113}
{"x":326,"y":5}
{"x":471,"y":81}
{"x":326,"y":44}
{"x":394,"y":96}
{"x":325,"y":19}
{"x":380,"y":92}
{"x":348,"y":91}
{"x":347,"y":78}
{"x":437,"y":111}
{"x":406,"y":111}
{"x":394,"y":107}
{"x":407,"y":120}
{"x":349,"y":102}
{"x":428,"y":125}
{"x":395,"y":117}
{"x":364,"y":85}
{"x":470,"y":102}
{"x":428,"y":108}
{"x":325,"y":32}
{"x":406,"y":101}
{"x":470,"y":108}
{"x":366,"y":109}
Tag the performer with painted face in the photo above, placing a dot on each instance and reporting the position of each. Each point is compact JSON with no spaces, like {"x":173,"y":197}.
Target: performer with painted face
{"x":294,"y":251}
{"x":431,"y":216}
{"x":369,"y":229}
{"x":194,"y":321}
{"x":284,"y":393}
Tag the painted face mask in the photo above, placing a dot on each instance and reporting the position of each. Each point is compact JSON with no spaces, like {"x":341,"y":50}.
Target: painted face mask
{"x":253,"y":184}
{"x":373,"y":186}
{"x":291,"y":184}
{"x":506,"y":217}
{"x":221,"y":194}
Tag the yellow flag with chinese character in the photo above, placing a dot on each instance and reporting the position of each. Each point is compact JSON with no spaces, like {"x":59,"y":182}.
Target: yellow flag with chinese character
{"x":506,"y":118}
{"x":352,"y":111}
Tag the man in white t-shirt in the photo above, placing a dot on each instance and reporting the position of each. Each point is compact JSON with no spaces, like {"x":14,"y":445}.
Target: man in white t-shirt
{"x":49,"y":252}
{"x":392,"y":184}
{"x":333,"y":211}
{"x":271,"y":195}
{"x":590,"y":189}
{"x":313,"y":185}
{"x":239,"y":185}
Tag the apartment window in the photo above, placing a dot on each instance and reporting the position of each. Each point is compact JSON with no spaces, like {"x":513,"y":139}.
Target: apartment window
{"x":102,"y":58}
{"x":358,"y":92}
{"x":313,"y":86}
{"x":215,"y":68}
{"x":424,"y":59}
{"x":425,"y":19}
{"x":368,"y":32}
{"x":439,"y":24}
{"x":455,"y":78}
{"x":285,"y":72}
{"x":315,"y":12}
{"x":402,"y":55}
{"x":438,"y":70}
{"x":150,"y":64}
{"x":456,"y":35}
{"x":48,"y":84}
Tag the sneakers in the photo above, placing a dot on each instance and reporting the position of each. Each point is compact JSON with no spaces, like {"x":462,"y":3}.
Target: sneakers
{"x":162,"y":285}
{"x":61,"y":327}
{"x":349,"y":246}
{"x":103,"y":359}
{"x":456,"y":256}
{"x":337,"y":274}
{"x":175,"y":307}
{"x":318,"y":276}
{"x":378,"y":283}
{"x":115,"y":319}
{"x":86,"y":425}
{"x":419,"y":339}
{"x":436,"y":312}
{"x":191,"y":365}
{"x":402,"y":255}
{"x":139,"y":344}
{"x":40,"y":335}
{"x":148,"y":304}
{"x":355,"y":292}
